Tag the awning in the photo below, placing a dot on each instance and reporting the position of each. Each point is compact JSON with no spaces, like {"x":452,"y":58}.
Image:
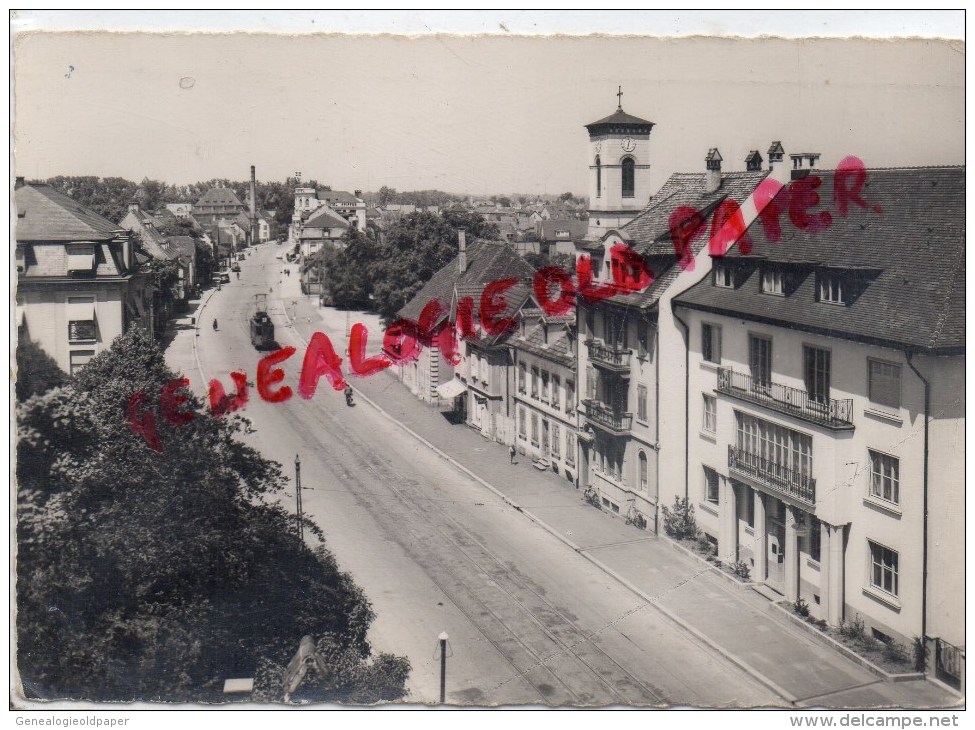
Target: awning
{"x":81,"y":308}
{"x":451,"y":389}
{"x":81,"y":261}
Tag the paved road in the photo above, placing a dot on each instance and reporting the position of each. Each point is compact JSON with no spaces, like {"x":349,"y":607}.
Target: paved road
{"x":530,"y":621}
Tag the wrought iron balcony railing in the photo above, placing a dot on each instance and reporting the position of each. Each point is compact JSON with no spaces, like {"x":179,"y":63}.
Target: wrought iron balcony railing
{"x":607,"y":418}
{"x":777,"y":476}
{"x":828,"y":412}
{"x":612,"y":357}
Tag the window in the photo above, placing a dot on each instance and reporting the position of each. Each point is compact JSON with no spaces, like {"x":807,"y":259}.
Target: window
{"x":522,"y":373}
{"x":815,"y":538}
{"x":782,"y":452}
{"x":81,"y":319}
{"x":590,"y":323}
{"x":599,"y":178}
{"x":556,"y":444}
{"x":644,"y":472}
{"x":772,"y":282}
{"x":883,"y":564}
{"x":570,"y":449}
{"x":642,"y":338}
{"x":81,"y":330}
{"x":544,"y":436}
{"x":556,"y":394}
{"x":711,"y":343}
{"x":710,"y":413}
{"x":884,"y":477}
{"x":521,"y":423}
{"x":885,"y":384}
{"x":641,"y":403}
{"x":817,"y":367}
{"x":831,"y":289}
{"x":80,"y":358}
{"x":570,"y":395}
{"x":591,"y":382}
{"x":760,"y":361}
{"x":534,"y":429}
{"x":710,"y":485}
{"x":546,"y":393}
{"x":534,"y":382}
{"x":629,"y":178}
{"x":724,"y":276}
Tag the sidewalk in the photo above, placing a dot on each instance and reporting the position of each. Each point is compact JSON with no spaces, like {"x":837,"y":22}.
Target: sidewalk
{"x":733,"y":619}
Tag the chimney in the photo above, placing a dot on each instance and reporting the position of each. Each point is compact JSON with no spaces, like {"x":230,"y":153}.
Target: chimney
{"x":803,"y":163}
{"x":712,"y":177}
{"x":753,"y":163}
{"x":19,"y":182}
{"x":253,"y":203}
{"x":462,"y":245}
{"x":775,"y":154}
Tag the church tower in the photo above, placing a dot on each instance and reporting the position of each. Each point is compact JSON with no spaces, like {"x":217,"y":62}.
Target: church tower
{"x":619,"y":170}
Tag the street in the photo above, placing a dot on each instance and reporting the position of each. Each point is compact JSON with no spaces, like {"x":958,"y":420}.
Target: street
{"x":529,"y":620}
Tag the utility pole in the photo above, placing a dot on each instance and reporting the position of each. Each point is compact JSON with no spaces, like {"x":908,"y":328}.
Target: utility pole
{"x":301,"y":530}
{"x":443,"y":666}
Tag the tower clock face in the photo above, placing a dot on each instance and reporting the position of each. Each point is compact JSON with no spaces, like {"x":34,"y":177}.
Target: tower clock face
{"x":628,"y":144}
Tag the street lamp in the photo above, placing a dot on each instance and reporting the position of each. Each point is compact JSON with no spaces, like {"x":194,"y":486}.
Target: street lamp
{"x":301,"y":531}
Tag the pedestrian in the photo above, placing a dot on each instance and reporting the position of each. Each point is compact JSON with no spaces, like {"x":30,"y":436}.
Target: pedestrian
{"x":512,"y":452}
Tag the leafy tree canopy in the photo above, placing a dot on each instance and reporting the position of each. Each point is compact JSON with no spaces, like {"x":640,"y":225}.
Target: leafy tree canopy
{"x":155,"y":575}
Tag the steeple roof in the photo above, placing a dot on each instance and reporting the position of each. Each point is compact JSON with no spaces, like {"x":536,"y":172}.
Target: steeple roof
{"x":617,"y":120}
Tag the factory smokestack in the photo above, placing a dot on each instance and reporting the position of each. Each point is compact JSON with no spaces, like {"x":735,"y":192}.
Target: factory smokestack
{"x":253,"y":206}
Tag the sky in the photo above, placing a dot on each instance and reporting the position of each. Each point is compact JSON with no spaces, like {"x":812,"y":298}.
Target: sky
{"x":480,"y":114}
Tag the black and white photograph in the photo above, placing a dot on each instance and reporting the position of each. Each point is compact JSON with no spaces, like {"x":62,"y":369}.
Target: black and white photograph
{"x":488,"y":368}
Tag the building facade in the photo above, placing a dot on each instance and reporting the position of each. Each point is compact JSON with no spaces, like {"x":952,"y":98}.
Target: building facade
{"x":79,"y":284}
{"x":825,"y":431}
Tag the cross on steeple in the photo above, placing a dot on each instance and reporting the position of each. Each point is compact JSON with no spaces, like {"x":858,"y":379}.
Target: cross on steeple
{"x":619,"y":95}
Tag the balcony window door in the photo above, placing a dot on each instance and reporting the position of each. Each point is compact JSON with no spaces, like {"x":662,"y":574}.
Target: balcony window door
{"x":760,"y":362}
{"x":817,"y":372}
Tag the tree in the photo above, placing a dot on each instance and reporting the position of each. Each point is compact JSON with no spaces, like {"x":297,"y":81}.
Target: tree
{"x":155,"y":575}
{"x":386,"y":196}
{"x":565,"y":197}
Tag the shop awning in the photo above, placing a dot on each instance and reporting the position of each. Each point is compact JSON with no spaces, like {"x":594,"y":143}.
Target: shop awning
{"x":451,"y":389}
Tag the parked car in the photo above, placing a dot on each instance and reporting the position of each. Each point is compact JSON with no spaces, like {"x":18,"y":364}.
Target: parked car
{"x":222,"y":277}
{"x":235,"y":267}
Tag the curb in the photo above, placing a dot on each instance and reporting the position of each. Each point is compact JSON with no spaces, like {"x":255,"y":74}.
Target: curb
{"x":650,"y":600}
{"x":832,"y":643}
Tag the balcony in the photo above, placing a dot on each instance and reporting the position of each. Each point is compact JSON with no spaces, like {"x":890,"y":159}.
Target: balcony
{"x":608,"y":419}
{"x":832,"y":413}
{"x":781,"y":478}
{"x":610,"y":357}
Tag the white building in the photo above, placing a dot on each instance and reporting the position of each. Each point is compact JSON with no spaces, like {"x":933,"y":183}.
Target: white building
{"x":825,"y":428}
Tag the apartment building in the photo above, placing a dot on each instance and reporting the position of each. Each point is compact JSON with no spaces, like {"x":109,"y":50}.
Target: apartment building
{"x":825,"y":423}
{"x":544,"y":351}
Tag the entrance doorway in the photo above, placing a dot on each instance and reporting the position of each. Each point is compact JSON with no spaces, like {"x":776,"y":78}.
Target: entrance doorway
{"x":776,"y":544}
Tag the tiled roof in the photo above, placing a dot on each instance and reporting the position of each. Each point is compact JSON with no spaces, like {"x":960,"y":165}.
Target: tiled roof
{"x":487,"y":261}
{"x":908,"y":244}
{"x":558,"y":349}
{"x":43,"y":214}
{"x":649,"y":233}
{"x":576,"y":229}
{"x":326,"y":218}
{"x":339,"y":197}
{"x":219,"y":197}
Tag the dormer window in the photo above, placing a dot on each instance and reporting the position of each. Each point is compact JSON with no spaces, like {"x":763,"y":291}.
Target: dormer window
{"x":772,"y":282}
{"x":724,"y":276}
{"x":831,"y":289}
